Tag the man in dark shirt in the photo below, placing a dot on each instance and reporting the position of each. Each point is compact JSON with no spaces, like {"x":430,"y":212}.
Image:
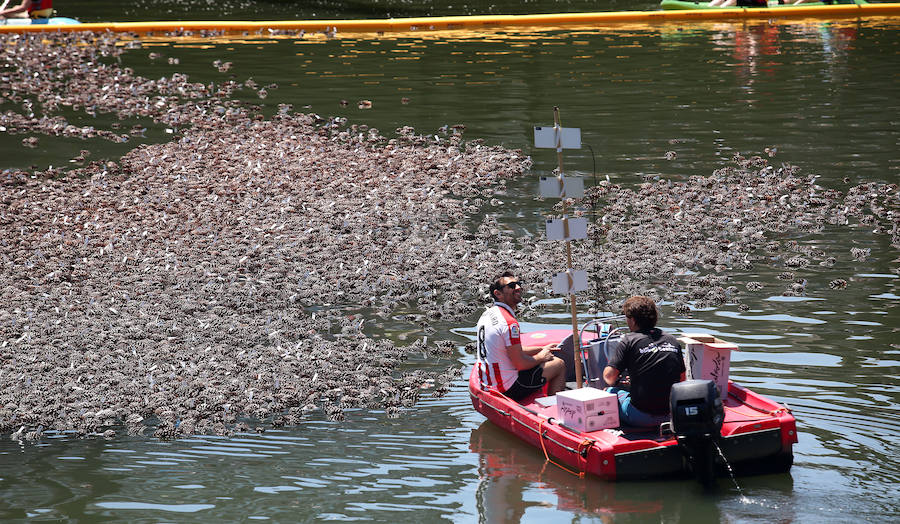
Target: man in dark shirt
{"x":654,"y":361}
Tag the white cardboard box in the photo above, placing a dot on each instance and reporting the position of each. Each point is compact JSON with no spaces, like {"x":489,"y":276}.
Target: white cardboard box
{"x":708,"y":358}
{"x":588,"y":409}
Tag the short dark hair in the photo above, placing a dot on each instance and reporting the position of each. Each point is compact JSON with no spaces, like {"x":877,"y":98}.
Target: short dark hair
{"x":642,"y":310}
{"x":495,"y":284}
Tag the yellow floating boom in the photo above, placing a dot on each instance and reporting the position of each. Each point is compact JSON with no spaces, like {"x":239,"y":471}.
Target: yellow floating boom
{"x":481,"y":22}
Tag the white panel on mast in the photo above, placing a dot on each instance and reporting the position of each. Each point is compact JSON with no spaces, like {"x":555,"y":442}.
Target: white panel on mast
{"x":557,"y":137}
{"x":562,"y":187}
{"x":570,"y":282}
{"x":566,"y":228}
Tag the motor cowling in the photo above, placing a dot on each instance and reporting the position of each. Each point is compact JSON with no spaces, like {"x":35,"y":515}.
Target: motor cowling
{"x":696,"y":408}
{"x":697,"y":417}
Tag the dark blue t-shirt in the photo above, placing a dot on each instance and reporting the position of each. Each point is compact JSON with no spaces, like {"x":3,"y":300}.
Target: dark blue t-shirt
{"x":654,"y":361}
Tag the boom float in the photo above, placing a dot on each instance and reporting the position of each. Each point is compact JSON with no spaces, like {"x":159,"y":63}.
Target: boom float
{"x":478,"y":23}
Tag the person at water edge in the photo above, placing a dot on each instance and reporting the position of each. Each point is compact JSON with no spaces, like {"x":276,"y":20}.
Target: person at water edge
{"x":739,"y":3}
{"x":653,"y":360}
{"x":29,"y":8}
{"x":503,"y":362}
{"x":752,"y":3}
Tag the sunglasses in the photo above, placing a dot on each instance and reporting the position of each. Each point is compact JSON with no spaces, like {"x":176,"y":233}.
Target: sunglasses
{"x":514,"y":284}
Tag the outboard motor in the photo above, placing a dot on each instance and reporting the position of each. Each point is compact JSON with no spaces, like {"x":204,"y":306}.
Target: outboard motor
{"x":697,"y":417}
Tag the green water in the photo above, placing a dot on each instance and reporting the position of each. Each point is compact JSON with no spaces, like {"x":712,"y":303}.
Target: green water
{"x":825,"y":95}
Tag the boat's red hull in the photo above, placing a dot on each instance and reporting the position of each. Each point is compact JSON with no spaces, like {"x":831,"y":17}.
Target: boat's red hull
{"x":757,"y":435}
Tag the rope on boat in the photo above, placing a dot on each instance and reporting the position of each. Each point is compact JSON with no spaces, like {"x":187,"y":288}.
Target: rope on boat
{"x":542,"y":436}
{"x":583,"y":446}
{"x":579,"y":474}
{"x":495,"y":408}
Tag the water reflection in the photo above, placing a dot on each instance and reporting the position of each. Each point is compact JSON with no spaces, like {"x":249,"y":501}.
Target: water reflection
{"x":514,"y":479}
{"x":761,"y":49}
{"x":516,"y":484}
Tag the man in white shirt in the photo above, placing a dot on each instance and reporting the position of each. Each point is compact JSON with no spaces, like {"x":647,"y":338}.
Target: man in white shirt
{"x":503,"y":363}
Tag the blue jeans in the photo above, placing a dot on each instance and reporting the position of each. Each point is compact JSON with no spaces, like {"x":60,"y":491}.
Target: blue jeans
{"x":632,"y":416}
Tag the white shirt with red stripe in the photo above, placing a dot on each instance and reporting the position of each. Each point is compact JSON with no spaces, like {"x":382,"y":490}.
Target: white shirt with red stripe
{"x":497,"y":330}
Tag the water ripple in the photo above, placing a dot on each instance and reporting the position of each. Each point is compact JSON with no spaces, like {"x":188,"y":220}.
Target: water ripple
{"x":276,"y":489}
{"x":175,"y":508}
{"x":779,"y":317}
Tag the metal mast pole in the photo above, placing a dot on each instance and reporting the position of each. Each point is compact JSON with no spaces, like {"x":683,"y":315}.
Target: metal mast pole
{"x":576,"y":343}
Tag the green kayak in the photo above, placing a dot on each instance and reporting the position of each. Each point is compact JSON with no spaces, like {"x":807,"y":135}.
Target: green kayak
{"x":680,"y":5}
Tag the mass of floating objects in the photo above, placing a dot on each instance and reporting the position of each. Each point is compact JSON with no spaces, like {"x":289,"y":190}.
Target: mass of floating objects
{"x":227,"y":276}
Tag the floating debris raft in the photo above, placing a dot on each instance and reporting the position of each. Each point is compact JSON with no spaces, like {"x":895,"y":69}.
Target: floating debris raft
{"x":200,"y":281}
{"x":694,"y":236}
{"x":230,"y":273}
{"x":178,"y":281}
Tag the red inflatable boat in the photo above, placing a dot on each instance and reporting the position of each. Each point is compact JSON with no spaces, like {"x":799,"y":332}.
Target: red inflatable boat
{"x":755,"y":436}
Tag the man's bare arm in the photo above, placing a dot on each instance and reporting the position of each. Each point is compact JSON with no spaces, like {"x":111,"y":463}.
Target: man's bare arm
{"x":533,"y":350}
{"x":522,"y":360}
{"x":18,"y":9}
{"x":610,"y":375}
